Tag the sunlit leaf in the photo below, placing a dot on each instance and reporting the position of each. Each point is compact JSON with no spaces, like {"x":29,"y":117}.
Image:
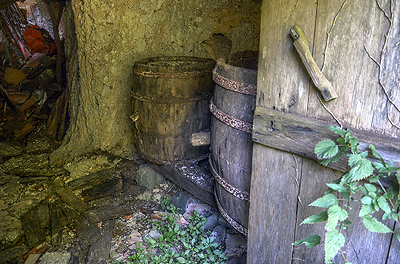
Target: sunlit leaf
{"x":325,"y":201}
{"x":334,"y":241}
{"x":310,"y":241}
{"x":338,"y":130}
{"x":374,"y":225}
{"x":316,"y":218}
{"x":361,"y":168}
{"x":326,"y":149}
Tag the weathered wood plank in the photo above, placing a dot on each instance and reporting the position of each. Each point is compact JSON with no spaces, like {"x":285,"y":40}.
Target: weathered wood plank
{"x":361,"y":104}
{"x":68,"y":196}
{"x":283,"y":84}
{"x":200,"y":139}
{"x":107,"y":213}
{"x":393,"y":257}
{"x":99,"y":251}
{"x":299,"y":134}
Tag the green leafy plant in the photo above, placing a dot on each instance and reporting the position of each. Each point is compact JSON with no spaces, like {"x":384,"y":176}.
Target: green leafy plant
{"x":364,"y":177}
{"x":179,"y":245}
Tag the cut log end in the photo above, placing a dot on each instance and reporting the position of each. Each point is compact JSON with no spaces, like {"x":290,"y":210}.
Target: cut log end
{"x":200,"y":139}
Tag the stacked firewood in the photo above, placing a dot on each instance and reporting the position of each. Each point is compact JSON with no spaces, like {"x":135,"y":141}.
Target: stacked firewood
{"x":31,"y":87}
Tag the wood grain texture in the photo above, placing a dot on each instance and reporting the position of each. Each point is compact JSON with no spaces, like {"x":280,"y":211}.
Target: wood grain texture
{"x":299,"y":134}
{"x":231,"y":148}
{"x":283,"y":85}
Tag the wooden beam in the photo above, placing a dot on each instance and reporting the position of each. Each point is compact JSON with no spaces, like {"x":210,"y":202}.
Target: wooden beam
{"x":299,"y":134}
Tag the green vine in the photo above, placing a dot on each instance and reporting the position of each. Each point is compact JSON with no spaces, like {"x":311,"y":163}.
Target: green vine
{"x":364,"y":176}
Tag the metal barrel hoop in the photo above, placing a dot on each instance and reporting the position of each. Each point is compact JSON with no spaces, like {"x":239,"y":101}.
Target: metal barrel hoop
{"x":242,"y":195}
{"x":239,"y":87}
{"x":173,"y":162}
{"x":230,"y":120}
{"x":229,"y":219}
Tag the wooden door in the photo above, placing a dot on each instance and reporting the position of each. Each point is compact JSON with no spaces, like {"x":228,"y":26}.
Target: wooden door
{"x":354,"y":42}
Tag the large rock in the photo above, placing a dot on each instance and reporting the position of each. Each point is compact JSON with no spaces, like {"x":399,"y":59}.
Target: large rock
{"x":10,"y":149}
{"x":147,"y":177}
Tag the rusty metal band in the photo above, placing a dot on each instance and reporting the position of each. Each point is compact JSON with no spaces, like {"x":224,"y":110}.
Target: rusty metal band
{"x":230,"y":120}
{"x":175,"y":75}
{"x":229,"y":219}
{"x":242,"y":195}
{"x":173,"y":162}
{"x":235,"y":86}
{"x":144,"y":98}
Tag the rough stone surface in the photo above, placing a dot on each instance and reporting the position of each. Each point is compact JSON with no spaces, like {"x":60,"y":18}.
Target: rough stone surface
{"x":235,"y":245}
{"x":147,"y":177}
{"x":219,"y":233}
{"x":55,"y":258}
{"x":10,"y":149}
{"x":212,"y":222}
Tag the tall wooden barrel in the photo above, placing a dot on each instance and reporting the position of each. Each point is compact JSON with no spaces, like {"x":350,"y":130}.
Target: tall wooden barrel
{"x":231,"y":142}
{"x":171,"y":98}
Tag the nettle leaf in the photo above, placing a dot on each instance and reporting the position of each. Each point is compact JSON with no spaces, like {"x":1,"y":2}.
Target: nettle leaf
{"x":370,"y":187}
{"x":325,"y":201}
{"x":375,"y":153}
{"x":338,"y":130}
{"x":343,"y":190}
{"x":354,"y":144}
{"x":374,"y":179}
{"x":316,"y":218}
{"x":361,"y":168}
{"x":335,"y":214}
{"x":366,"y":209}
{"x":384,"y":205}
{"x":374,"y":225}
{"x":333,"y":242}
{"x":337,"y":187}
{"x":310,"y":241}
{"x":326,"y":149}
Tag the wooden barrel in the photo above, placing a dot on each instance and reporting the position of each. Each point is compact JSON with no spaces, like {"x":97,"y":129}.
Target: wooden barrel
{"x":231,"y":142}
{"x":171,"y":98}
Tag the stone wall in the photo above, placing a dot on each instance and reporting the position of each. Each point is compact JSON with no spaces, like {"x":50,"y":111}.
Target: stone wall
{"x":112,"y":35}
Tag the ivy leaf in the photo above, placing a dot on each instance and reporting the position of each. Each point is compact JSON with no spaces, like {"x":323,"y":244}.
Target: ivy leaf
{"x":326,"y":149}
{"x":333,"y":242}
{"x":384,"y":205}
{"x":374,"y":225}
{"x":316,"y":218}
{"x":361,"y":168}
{"x":398,"y":236}
{"x":310,"y":241}
{"x":325,"y":201}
